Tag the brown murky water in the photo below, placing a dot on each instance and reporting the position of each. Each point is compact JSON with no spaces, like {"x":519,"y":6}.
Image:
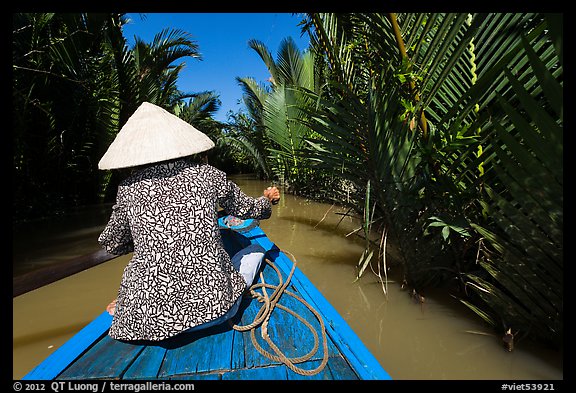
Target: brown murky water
{"x":439,"y":340}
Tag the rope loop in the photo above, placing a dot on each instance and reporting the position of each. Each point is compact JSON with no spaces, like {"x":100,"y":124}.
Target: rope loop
{"x":262,"y":318}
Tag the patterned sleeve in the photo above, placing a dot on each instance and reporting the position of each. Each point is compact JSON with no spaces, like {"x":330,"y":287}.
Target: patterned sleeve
{"x":117,"y":237}
{"x":235,"y":202}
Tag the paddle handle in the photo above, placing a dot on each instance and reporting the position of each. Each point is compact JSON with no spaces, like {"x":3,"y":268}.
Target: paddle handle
{"x":38,"y":278}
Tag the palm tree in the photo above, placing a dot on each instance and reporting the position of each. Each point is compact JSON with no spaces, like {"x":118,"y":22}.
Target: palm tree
{"x":276,"y":113}
{"x":154,"y":63}
{"x":75,"y":83}
{"x":420,"y":119}
{"x":61,"y":79}
{"x":145,"y":72}
{"x":247,"y":143}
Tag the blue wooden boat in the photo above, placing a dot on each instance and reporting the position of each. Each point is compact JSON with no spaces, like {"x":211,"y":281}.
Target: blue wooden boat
{"x":222,"y":352}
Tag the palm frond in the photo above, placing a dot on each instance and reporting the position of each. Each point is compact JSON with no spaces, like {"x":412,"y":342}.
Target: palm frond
{"x":526,"y":202}
{"x":254,"y":96}
{"x":246,"y":146}
{"x":262,"y":50}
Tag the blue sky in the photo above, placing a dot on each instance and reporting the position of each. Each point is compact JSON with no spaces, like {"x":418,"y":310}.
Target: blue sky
{"x":223,"y":43}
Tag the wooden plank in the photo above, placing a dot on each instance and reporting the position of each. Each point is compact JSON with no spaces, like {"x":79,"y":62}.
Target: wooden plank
{"x":107,"y":359}
{"x":361,"y":359}
{"x":238,"y":354}
{"x":336,"y":369}
{"x":259,"y":373}
{"x":324,"y":374}
{"x":253,"y":357}
{"x":199,"y":377}
{"x":147,"y":365}
{"x":340,"y":369}
{"x":71,"y":349}
{"x":291,"y":336}
{"x":204,"y":350}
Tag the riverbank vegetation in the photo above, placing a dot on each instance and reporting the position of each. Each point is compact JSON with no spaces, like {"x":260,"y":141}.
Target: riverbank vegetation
{"x":442,"y":132}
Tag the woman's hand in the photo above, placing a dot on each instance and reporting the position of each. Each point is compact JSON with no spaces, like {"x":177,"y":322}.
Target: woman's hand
{"x":272,"y":194}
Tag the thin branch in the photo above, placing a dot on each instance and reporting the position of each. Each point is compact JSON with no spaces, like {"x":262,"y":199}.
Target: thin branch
{"x":325,"y":214}
{"x":404,"y":55}
{"x":48,"y":73}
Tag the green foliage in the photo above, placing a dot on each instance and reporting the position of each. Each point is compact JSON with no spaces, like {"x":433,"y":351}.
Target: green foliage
{"x":277,"y":116}
{"x":75,"y":83}
{"x":523,"y":254}
{"x":63,"y":88}
{"x":443,"y":131}
{"x":456,"y":143}
{"x":447,"y":229}
{"x":246,"y":144}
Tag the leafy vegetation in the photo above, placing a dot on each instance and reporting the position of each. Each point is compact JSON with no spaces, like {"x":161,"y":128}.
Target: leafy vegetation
{"x":75,"y":83}
{"x":442,"y":132}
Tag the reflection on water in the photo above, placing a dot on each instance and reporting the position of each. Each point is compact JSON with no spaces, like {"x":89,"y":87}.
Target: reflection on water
{"x":440,"y":339}
{"x":43,"y":243}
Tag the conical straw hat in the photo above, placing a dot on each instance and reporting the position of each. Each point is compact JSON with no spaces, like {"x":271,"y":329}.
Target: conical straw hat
{"x":150,"y":135}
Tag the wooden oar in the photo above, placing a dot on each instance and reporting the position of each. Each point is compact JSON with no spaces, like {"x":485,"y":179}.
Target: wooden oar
{"x":38,"y":278}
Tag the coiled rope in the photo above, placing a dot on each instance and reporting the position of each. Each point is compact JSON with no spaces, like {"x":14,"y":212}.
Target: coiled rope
{"x":262,"y":319}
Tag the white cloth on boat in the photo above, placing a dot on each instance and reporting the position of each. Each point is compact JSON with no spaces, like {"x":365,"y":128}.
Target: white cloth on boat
{"x":247,"y":261}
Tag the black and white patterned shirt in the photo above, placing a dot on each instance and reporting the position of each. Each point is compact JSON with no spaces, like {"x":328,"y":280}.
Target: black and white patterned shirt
{"x":179,"y":275}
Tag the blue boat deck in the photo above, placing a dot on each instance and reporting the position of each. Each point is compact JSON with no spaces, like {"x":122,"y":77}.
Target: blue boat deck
{"x":220,"y":352}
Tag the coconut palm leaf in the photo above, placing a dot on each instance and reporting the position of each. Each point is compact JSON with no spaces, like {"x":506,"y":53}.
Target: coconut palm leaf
{"x":276,"y":109}
{"x":200,"y":107}
{"x":337,"y":147}
{"x":262,"y":50}
{"x":328,"y":37}
{"x":502,"y":304}
{"x":253,"y":95}
{"x":453,"y":116}
{"x":527,"y":205}
{"x":248,"y":140}
{"x":63,"y":83}
{"x":280,"y":120}
{"x":468,"y":72}
{"x":290,"y":65}
{"x":246,"y":146}
{"x":489,"y":66}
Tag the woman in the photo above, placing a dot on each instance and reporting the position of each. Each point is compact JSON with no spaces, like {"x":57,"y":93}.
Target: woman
{"x":180,"y":277}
